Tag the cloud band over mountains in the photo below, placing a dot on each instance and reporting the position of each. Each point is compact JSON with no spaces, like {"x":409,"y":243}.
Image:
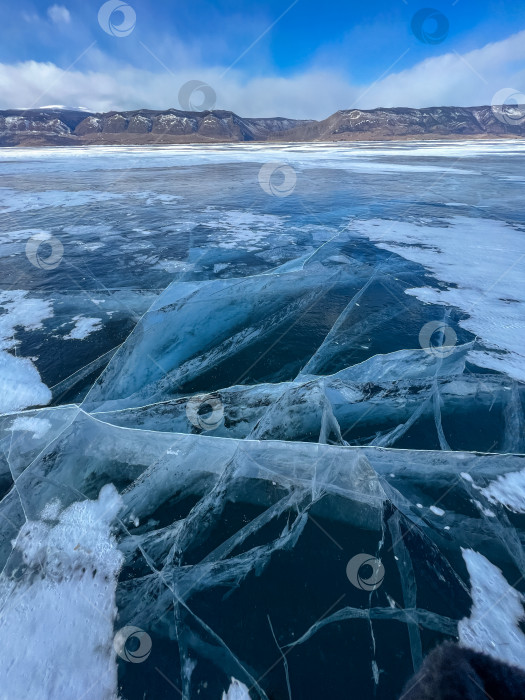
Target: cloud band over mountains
{"x":472,"y":78}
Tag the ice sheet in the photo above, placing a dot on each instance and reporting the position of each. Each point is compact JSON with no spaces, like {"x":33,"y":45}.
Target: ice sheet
{"x":244,"y":426}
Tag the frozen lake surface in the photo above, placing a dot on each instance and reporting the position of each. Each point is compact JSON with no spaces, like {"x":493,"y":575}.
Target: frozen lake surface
{"x":261,"y":416}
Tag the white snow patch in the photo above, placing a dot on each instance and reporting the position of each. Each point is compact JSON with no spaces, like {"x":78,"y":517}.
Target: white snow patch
{"x":236,"y":691}
{"x":37,"y":426}
{"x":486,"y":259}
{"x":84,"y":326}
{"x":496,"y":610}
{"x":20,"y":311}
{"x":509,"y":490}
{"x":437,"y":511}
{"x":219,"y":267}
{"x":482,"y":509}
{"x":171,"y":266}
{"x":63,"y":604}
{"x":12,"y":200}
{"x":20,"y":382}
{"x":156,"y":197}
{"x":242,"y":229}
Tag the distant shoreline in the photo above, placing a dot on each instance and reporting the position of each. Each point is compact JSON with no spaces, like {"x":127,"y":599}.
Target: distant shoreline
{"x":144,"y":127}
{"x":334,"y":142}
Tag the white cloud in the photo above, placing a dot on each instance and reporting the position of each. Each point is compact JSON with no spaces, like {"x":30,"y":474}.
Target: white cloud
{"x":59,"y":14}
{"x":453,"y":79}
{"x":450,"y":79}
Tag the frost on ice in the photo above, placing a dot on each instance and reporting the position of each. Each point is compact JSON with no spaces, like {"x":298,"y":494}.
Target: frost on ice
{"x":497,"y":609}
{"x":63,"y":568}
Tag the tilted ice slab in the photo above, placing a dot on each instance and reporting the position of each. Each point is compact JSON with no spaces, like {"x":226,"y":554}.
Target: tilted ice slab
{"x":193,"y":327}
{"x":124,"y":455}
{"x":296,"y":411}
{"x":485,"y":261}
{"x":158,"y":462}
{"x":393,"y":390}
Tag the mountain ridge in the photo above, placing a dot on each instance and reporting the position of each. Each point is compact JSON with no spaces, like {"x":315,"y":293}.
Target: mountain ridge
{"x":70,"y":127}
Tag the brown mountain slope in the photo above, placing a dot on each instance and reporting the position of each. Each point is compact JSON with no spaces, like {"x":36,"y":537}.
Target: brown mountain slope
{"x":51,"y":127}
{"x":401,"y":122}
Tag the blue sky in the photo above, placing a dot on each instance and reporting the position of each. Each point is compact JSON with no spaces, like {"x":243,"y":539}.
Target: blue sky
{"x":318,"y":57}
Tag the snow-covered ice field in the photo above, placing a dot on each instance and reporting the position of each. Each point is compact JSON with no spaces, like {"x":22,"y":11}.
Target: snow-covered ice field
{"x":218,"y":389}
